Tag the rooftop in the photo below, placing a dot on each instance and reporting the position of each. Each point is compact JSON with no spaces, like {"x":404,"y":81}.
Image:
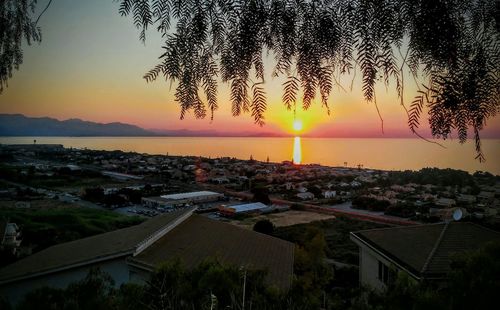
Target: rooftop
{"x":199,"y":237}
{"x":180,"y":234}
{"x":427,"y":250}
{"x":247,"y":207}
{"x":189,"y":195}
{"x":82,"y":251}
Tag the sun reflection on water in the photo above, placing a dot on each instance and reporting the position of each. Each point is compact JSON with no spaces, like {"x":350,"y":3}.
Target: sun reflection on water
{"x":297,"y":151}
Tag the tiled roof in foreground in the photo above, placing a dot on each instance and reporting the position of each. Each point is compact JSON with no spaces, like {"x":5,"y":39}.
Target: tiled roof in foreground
{"x":427,"y":250}
{"x":181,"y":234}
{"x":199,"y":238}
{"x":82,"y":251}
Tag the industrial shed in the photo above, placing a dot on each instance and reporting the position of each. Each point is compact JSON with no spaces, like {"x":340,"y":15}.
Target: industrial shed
{"x":181,"y":199}
{"x":255,"y":207}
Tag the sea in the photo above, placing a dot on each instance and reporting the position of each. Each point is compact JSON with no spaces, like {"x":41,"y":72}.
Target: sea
{"x":383,"y":154}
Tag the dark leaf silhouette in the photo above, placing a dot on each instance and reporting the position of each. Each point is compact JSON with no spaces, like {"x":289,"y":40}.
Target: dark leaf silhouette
{"x":17,"y":21}
{"x":453,"y":44}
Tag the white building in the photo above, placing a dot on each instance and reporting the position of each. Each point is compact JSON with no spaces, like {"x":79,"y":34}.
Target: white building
{"x":201,"y":196}
{"x":329,"y":194}
{"x":355,"y":184}
{"x":181,"y":199}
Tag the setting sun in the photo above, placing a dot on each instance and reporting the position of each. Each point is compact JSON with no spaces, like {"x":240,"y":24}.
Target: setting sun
{"x":297,"y":125}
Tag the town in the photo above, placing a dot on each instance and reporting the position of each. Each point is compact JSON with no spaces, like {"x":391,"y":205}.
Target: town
{"x":147,"y":185}
{"x":282,"y":199}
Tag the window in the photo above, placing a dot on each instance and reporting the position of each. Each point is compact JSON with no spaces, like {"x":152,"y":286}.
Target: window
{"x":383,"y":273}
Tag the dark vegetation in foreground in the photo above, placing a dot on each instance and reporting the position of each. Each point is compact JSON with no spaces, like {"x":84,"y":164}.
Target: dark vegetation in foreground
{"x":473,"y":284}
{"x":336,"y":234}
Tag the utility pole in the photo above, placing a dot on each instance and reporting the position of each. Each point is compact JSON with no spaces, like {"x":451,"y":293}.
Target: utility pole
{"x":244,"y":287}
{"x":213,"y":300}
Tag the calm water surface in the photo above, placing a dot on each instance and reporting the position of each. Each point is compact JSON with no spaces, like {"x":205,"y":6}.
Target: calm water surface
{"x":387,"y":154}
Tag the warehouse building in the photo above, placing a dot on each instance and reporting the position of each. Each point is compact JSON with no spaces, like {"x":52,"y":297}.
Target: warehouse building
{"x":181,"y":199}
{"x":255,"y":207}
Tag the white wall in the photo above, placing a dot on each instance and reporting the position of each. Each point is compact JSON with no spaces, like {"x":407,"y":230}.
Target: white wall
{"x":368,"y":268}
{"x":117,"y":268}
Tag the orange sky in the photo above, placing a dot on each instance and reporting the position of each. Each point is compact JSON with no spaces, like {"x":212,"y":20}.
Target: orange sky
{"x":90,"y":66}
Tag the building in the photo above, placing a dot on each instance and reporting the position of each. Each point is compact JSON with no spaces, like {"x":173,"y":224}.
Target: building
{"x":121,"y":176}
{"x":181,"y":199}
{"x":130,"y":254}
{"x":445,"y":202}
{"x":423,"y":251}
{"x":486,"y":197}
{"x":305,"y":196}
{"x":329,"y":194}
{"x":466,"y":198}
{"x":10,"y":237}
{"x":255,"y":207}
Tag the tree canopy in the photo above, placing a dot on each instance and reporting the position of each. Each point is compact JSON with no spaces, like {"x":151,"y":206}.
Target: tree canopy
{"x":16,"y":22}
{"x":450,"y":44}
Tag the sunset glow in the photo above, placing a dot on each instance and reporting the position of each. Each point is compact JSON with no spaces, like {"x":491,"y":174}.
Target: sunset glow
{"x":262,"y":132}
{"x":73,"y":74}
{"x":297,"y":125}
{"x":297,"y":151}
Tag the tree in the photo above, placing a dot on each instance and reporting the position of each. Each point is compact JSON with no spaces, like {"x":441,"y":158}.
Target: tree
{"x":264,"y":226}
{"x":173,"y":286}
{"x":312,"y":273}
{"x":474,"y":278}
{"x":451,"y":44}
{"x":315,"y":190}
{"x":16,"y":22}
{"x":261,"y":194}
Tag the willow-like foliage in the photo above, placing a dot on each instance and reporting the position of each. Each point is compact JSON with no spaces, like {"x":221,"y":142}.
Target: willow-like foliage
{"x":16,"y":23}
{"x":451,"y":43}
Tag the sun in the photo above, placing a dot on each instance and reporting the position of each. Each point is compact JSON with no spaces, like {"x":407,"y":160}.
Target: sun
{"x":297,"y":125}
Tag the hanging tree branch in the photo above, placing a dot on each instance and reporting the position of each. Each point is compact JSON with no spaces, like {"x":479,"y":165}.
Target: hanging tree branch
{"x":454,"y":43}
{"x":44,"y":10}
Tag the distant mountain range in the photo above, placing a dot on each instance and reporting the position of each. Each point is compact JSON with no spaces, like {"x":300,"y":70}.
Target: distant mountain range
{"x":20,"y":125}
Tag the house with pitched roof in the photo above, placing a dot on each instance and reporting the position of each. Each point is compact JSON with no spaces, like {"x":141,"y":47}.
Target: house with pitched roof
{"x":424,"y":252}
{"x":131,"y":254}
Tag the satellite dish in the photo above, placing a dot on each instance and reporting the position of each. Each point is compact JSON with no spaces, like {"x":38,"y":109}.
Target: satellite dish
{"x":457,"y":214}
